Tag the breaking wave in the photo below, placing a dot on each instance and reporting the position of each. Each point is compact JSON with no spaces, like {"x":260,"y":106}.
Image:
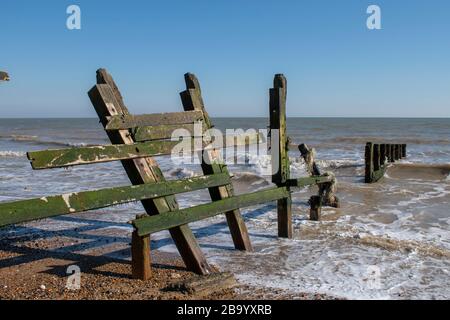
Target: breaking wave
{"x":12,"y":154}
{"x":363,"y":140}
{"x":36,"y":141}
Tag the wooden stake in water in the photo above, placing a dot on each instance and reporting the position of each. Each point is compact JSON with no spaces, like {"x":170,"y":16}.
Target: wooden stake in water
{"x":369,"y":162}
{"x":316,"y":208}
{"x":279,"y":149}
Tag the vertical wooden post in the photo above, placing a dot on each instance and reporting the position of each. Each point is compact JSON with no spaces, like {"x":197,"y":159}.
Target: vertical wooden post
{"x":376,"y":157}
{"x":140,"y":256}
{"x":396,"y":152}
{"x":369,"y":162}
{"x":108,"y":101}
{"x":279,"y":150}
{"x":192,"y":100}
{"x":383,"y":154}
{"x":404,"y":150}
{"x":316,"y":208}
{"x":388,"y":152}
{"x":392,"y":153}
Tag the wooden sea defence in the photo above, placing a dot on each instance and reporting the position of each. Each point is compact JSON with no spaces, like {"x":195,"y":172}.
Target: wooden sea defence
{"x":136,"y":140}
{"x":378,"y":157}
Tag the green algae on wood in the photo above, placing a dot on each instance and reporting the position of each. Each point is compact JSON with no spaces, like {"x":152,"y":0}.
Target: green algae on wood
{"x":39,"y":208}
{"x":119,"y":122}
{"x":172,"y":219}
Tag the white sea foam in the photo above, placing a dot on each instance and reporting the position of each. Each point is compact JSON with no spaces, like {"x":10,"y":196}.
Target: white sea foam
{"x":12,"y":154}
{"x":438,"y":192}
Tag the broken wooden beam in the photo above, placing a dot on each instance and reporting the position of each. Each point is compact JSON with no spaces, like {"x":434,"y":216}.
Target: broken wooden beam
{"x":308,"y":156}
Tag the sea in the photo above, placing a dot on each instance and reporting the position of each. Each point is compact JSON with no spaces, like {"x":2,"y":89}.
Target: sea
{"x":389,"y":240}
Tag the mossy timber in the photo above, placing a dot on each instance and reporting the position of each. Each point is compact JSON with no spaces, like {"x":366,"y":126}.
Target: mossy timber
{"x":136,"y":140}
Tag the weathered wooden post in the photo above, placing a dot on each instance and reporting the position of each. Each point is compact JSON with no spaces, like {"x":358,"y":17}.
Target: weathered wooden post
{"x":316,"y":208}
{"x":279,"y":151}
{"x":376,"y":157}
{"x":396,"y":152}
{"x":369,"y":162}
{"x":404,"y":150}
{"x":107,"y":101}
{"x":211,"y":163}
{"x":140,"y":256}
{"x":307,"y":154}
{"x":392,"y":153}
{"x":388,"y":152}
{"x":383,"y":154}
{"x":326,"y":190}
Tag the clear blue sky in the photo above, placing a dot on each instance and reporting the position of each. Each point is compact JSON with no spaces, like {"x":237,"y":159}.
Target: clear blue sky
{"x":335,"y":66}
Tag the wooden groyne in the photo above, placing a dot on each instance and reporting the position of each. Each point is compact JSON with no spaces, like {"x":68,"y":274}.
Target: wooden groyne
{"x":378,"y":157}
{"x":135,"y":141}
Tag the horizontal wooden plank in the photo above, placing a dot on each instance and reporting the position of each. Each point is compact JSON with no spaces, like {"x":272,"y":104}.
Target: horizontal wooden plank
{"x":303,"y":182}
{"x":149,"y":133}
{"x":172,"y":219}
{"x":59,"y":158}
{"x":33,"y":209}
{"x":121,"y":122}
